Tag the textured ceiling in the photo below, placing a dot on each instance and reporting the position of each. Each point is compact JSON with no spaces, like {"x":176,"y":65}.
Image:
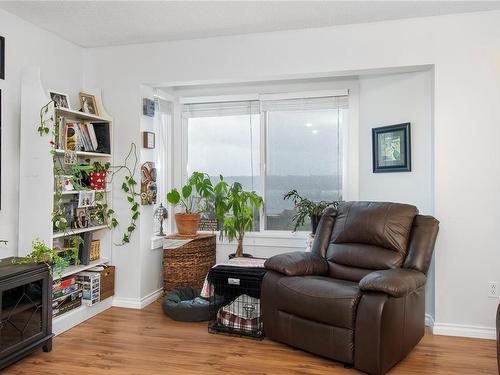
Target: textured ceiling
{"x":105,"y":23}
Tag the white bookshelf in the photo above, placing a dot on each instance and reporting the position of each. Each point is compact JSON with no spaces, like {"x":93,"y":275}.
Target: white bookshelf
{"x":36,"y":188}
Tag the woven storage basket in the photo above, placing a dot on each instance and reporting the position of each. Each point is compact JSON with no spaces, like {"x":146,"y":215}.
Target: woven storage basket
{"x":187,"y":266}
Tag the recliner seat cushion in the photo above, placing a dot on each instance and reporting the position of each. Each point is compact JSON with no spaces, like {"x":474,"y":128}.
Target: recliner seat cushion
{"x":387,"y":225}
{"x":318,"y":298}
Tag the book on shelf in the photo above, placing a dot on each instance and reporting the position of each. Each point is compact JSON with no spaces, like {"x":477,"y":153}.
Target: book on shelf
{"x":64,"y":300}
{"x":65,"y":291}
{"x":82,"y":136}
{"x":63,"y":283}
{"x":67,"y":307}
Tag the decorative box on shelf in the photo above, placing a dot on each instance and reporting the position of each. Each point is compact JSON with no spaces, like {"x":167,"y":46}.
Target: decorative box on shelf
{"x":107,"y":282}
{"x":95,"y":250}
{"x":90,"y":282}
{"x":187,"y":260}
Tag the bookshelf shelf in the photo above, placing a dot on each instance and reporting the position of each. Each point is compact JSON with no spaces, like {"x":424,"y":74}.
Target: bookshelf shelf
{"x":71,"y":270}
{"x":79,"y":231}
{"x":86,"y":153}
{"x":80,"y":116}
{"x":75,"y":192}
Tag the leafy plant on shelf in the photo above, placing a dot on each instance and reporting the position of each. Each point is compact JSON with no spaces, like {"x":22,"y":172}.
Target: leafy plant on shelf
{"x":41,"y":253}
{"x":235,"y":207}
{"x":307,"y":208}
{"x":80,"y":172}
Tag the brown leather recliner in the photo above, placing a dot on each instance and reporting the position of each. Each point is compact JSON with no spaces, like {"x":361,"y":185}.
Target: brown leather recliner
{"x":359,"y":296}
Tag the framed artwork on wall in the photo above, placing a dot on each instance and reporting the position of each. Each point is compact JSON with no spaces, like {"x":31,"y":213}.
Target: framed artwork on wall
{"x":391,"y":148}
{"x":148,"y":140}
{"x":2,"y":57}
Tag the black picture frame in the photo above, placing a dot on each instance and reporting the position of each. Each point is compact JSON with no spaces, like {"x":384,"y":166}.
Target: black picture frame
{"x":2,"y":57}
{"x":391,"y":148}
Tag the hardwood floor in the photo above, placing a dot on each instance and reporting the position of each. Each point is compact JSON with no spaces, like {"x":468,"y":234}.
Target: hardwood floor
{"x":123,"y":341}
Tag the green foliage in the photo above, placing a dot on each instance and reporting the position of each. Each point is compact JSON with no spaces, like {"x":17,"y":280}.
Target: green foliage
{"x":46,"y":122}
{"x":235,"y":208}
{"x":195,"y":195}
{"x":100,"y":168}
{"x":41,"y":253}
{"x":306,"y":208}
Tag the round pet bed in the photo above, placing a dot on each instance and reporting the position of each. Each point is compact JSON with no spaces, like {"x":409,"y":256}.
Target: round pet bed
{"x":186,"y":305}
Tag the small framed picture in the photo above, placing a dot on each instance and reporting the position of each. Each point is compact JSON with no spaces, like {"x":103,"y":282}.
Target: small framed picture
{"x":60,"y":99}
{"x":86,"y":199}
{"x":81,"y":218}
{"x":70,"y":157}
{"x":2,"y":57}
{"x":88,"y":104}
{"x":148,"y":107}
{"x":391,"y":148}
{"x":148,"y":139}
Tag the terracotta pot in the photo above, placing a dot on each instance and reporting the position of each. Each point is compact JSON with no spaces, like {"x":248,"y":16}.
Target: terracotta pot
{"x":187,"y":224}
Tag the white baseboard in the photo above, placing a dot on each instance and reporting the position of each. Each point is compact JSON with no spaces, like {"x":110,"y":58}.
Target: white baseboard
{"x":478,"y":332}
{"x":137,"y":303}
{"x":429,"y":320}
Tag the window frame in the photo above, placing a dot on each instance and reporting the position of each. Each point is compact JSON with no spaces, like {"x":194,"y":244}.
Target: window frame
{"x":263,"y":146}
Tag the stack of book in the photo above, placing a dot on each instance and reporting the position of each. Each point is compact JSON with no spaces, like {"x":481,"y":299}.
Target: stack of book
{"x":67,"y":295}
{"x":76,"y":136}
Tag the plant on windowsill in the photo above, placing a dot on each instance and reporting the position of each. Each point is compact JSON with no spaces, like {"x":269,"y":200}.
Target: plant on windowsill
{"x":235,"y":208}
{"x":194,"y":198}
{"x":306,"y":208}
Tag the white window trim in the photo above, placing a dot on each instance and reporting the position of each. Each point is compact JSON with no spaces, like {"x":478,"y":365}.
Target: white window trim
{"x":349,"y":157}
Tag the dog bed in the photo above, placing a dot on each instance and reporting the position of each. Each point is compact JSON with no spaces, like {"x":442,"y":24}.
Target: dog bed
{"x":186,"y":305}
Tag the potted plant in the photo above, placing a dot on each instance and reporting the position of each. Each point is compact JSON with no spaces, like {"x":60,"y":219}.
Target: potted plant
{"x":307,"y":208}
{"x":194,"y":198}
{"x":235,"y":207}
{"x":41,"y":253}
{"x":97,"y":177}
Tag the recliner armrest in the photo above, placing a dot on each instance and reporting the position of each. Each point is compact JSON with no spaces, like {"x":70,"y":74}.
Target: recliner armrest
{"x":298,"y":263}
{"x":395,"y":282}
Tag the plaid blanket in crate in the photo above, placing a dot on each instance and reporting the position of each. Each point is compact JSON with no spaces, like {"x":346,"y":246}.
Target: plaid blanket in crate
{"x":235,"y":322}
{"x":242,"y":314}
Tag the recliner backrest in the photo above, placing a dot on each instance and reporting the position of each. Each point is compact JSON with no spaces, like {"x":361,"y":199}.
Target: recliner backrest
{"x":361,"y":237}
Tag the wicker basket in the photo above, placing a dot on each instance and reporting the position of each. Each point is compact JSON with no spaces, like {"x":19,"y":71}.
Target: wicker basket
{"x":189,"y":264}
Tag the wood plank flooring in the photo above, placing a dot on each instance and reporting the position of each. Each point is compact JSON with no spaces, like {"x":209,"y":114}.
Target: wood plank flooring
{"x":124,"y":341}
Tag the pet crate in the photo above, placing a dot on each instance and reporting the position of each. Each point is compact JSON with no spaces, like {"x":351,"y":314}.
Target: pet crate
{"x":235,"y":306}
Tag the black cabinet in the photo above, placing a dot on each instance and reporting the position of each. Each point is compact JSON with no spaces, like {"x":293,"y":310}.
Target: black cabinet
{"x":25,"y":310}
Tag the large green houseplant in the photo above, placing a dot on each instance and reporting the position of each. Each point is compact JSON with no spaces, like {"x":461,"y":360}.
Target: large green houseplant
{"x":307,"y":208}
{"x":235,"y":208}
{"x":194,"y":198}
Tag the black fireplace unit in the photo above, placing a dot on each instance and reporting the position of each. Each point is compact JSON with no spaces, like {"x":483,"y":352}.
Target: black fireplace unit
{"x":25,"y":310}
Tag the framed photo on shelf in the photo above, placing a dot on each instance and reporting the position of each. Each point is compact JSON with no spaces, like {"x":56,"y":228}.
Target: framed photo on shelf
{"x":2,"y":57}
{"x":86,"y":199}
{"x":88,"y":103}
{"x":148,"y":140}
{"x":81,"y":218}
{"x":60,"y":99}
{"x":391,"y":148}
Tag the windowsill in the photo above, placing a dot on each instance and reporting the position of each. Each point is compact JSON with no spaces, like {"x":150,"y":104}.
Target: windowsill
{"x":157,"y":241}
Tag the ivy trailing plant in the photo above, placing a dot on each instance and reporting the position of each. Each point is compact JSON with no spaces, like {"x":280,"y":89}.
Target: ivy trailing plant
{"x":46,"y":118}
{"x":41,"y":253}
{"x":80,"y":172}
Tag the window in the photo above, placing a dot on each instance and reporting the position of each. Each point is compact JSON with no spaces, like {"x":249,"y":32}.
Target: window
{"x":300,"y":141}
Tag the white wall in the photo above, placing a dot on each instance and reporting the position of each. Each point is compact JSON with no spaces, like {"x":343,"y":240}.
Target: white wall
{"x":464,"y":50}
{"x":395,"y":99}
{"x":61,"y":66}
